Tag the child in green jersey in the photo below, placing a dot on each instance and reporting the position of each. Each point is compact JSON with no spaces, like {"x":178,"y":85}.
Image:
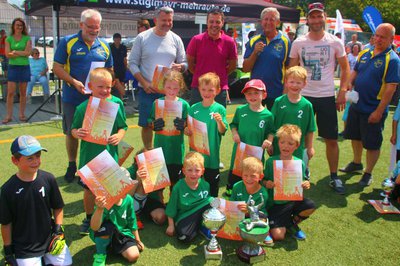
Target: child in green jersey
{"x":172,"y":143}
{"x":190,"y":197}
{"x":100,"y":83}
{"x":292,"y":108}
{"x":253,"y":124}
{"x":214,"y":115}
{"x":116,"y":226}
{"x":286,"y":215}
{"x":252,"y":174}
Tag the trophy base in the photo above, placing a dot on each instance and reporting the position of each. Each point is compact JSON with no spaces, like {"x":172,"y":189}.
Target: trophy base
{"x":244,"y":256}
{"x":212,"y":255}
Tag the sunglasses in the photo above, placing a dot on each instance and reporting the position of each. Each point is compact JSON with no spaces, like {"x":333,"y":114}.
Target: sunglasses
{"x":316,"y":6}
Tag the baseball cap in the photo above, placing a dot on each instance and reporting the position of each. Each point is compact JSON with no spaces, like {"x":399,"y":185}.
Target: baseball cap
{"x":26,"y":145}
{"x":256,"y":84}
{"x":316,"y":7}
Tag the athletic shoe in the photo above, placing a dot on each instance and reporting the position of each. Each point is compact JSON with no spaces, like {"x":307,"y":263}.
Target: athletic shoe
{"x":268,"y":241}
{"x":221,"y":165}
{"x":365,"y":180}
{"x":205,"y":232}
{"x":337,"y":185}
{"x":84,"y":228}
{"x":352,"y":167}
{"x":70,"y":174}
{"x":99,"y":259}
{"x":297,"y":233}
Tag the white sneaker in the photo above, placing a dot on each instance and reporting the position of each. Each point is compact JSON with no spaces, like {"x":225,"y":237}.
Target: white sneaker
{"x":221,"y":165}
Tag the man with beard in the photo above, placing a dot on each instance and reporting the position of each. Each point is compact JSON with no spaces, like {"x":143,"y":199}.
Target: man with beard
{"x":317,"y":51}
{"x":155,"y":46}
{"x":212,"y":51}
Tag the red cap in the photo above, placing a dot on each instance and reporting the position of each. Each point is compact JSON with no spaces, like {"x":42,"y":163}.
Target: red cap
{"x":255,"y":84}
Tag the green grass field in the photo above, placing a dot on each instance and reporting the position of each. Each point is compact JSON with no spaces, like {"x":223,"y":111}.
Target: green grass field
{"x":344,"y":230}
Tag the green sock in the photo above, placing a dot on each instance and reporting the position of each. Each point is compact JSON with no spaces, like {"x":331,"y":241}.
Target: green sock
{"x":102,"y":244}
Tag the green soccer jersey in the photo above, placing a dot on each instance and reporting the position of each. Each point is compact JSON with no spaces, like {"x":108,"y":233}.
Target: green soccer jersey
{"x":239,"y":193}
{"x":300,"y":114}
{"x":205,"y":114}
{"x":123,"y":217}
{"x":185,"y":201}
{"x":269,"y":175}
{"x":173,"y":146}
{"x":253,"y":127}
{"x":90,"y":150}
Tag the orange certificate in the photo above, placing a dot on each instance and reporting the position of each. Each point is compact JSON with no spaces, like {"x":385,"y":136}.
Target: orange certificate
{"x":198,"y":141}
{"x":158,"y":77}
{"x":243,"y":151}
{"x":230,"y":230}
{"x":99,"y":120}
{"x":105,"y":178}
{"x":124,"y":150}
{"x":154,"y":162}
{"x":288,"y":179}
{"x":168,"y":111}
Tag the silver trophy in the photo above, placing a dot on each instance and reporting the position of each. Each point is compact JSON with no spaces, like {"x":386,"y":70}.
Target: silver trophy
{"x":213,"y":219}
{"x":387,"y":186}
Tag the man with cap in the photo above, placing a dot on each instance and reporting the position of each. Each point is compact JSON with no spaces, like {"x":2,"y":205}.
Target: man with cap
{"x":252,"y":124}
{"x":32,"y":195}
{"x":317,"y":52}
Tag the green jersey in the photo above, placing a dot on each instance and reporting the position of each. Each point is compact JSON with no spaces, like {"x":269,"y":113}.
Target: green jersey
{"x":18,"y":46}
{"x":173,"y":146}
{"x":90,"y":150}
{"x":253,"y":127}
{"x":239,"y":193}
{"x":123,"y":217}
{"x":185,"y":201}
{"x":205,"y":114}
{"x":269,"y":175}
{"x":300,"y":114}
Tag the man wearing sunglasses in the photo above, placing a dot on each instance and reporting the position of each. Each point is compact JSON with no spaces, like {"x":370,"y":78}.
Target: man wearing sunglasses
{"x":317,"y":51}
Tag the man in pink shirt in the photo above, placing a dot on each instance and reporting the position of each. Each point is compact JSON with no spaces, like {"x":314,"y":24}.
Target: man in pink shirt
{"x":212,"y":51}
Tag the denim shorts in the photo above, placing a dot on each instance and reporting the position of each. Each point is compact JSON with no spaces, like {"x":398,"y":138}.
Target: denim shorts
{"x":19,"y":73}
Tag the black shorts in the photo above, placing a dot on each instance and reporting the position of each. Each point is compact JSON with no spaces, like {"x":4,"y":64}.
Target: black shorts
{"x":212,"y":177}
{"x":151,"y":205}
{"x":175,"y":173}
{"x":232,"y":180}
{"x":358,"y":128}
{"x":188,"y":227}
{"x":281,"y":215}
{"x":326,"y":116}
{"x":119,"y":242}
{"x":120,"y":74}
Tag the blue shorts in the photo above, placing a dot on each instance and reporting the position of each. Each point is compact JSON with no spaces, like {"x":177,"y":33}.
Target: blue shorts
{"x":145,"y":104}
{"x":19,"y":73}
{"x":68,"y":117}
{"x":358,"y":128}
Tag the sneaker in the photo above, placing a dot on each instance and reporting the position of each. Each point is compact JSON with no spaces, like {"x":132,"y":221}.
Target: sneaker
{"x":268,"y":241}
{"x":352,"y":167}
{"x":297,"y":233}
{"x":205,"y":232}
{"x":84,"y":228}
{"x":337,"y":185}
{"x":70,"y":174}
{"x":365,"y":180}
{"x":221,"y":165}
{"x":99,"y":259}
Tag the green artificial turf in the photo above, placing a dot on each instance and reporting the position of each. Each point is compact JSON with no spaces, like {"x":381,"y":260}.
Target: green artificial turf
{"x":344,"y":230}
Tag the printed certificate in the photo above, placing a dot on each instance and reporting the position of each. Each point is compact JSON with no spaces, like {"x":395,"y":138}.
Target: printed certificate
{"x":198,"y":141}
{"x":158,"y":77}
{"x":288,"y":179}
{"x":124,"y":150}
{"x":243,"y":151}
{"x":94,"y":65}
{"x":231,"y":230}
{"x":168,"y":111}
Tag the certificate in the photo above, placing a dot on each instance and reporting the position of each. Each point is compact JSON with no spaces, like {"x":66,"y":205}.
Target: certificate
{"x":99,"y":120}
{"x":158,"y":76}
{"x":288,"y":176}
{"x":231,"y":230}
{"x":94,"y":65}
{"x":124,"y":150}
{"x":243,"y":151}
{"x":198,"y":141}
{"x":168,"y":111}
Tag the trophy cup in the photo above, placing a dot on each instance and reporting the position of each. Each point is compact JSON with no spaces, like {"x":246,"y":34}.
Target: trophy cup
{"x":213,"y":219}
{"x":387,"y":186}
{"x":253,"y":230}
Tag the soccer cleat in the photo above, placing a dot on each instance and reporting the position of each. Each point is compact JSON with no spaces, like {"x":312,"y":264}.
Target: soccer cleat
{"x":70,"y":174}
{"x":268,"y":241}
{"x":337,"y":185}
{"x":297,"y":233}
{"x":352,"y":167}
{"x":205,"y":232}
{"x":365,"y":180}
{"x":99,"y":259}
{"x":84,"y":228}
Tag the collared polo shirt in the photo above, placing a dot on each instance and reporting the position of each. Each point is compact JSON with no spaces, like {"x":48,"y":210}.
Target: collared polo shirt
{"x":77,"y":56}
{"x":271,"y":62}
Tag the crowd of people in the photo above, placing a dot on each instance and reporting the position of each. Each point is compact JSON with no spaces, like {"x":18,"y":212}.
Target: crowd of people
{"x":290,"y":94}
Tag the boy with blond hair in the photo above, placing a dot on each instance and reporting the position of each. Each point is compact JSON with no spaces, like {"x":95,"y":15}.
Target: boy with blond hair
{"x":286,"y":215}
{"x":214,"y":115}
{"x":101,"y":82}
{"x":190,"y":197}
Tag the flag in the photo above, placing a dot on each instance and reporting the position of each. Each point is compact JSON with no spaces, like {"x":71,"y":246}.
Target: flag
{"x":339,"y":26}
{"x":372,"y":17}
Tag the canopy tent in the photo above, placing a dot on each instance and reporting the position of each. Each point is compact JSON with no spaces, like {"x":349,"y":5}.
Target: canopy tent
{"x":235,"y":10}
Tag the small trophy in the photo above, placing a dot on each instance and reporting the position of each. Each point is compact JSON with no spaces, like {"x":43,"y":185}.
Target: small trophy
{"x":213,"y":219}
{"x":253,"y":230}
{"x":387,"y":186}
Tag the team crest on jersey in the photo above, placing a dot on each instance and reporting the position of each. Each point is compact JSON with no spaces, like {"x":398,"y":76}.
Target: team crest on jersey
{"x":278,"y":47}
{"x":261,"y":124}
{"x":101,"y":52}
{"x":378,"y":63}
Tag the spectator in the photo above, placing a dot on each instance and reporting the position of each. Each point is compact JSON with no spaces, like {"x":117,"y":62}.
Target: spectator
{"x":119,"y":54}
{"x":353,"y":41}
{"x":143,"y":25}
{"x":3,"y":57}
{"x":39,"y":71}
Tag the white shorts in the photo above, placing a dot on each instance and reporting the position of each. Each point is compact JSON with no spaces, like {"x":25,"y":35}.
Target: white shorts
{"x":63,"y":259}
